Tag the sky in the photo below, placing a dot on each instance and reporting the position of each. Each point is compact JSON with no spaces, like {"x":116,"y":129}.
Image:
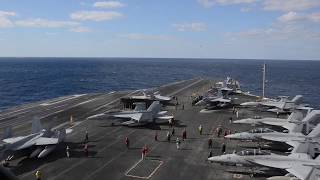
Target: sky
{"x":236,"y":29}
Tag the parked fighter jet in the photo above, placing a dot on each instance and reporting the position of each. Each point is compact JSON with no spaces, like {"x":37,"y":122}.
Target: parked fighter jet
{"x":252,"y":157}
{"x":313,"y":175}
{"x":44,"y":140}
{"x":253,"y":134}
{"x":283,"y":105}
{"x":240,"y":158}
{"x":296,"y":115}
{"x":299,"y":164}
{"x":143,"y":117}
{"x":151,"y":96}
{"x":292,"y":138}
{"x":214,"y":99}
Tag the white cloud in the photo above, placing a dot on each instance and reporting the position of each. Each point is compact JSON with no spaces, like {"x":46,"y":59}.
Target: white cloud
{"x":108,"y":4}
{"x":139,"y":36}
{"x":4,"y":19}
{"x":279,"y":31}
{"x":80,"y":29}
{"x":294,"y":17}
{"x":290,"y":5}
{"x":95,"y":15}
{"x":210,"y":3}
{"x":44,"y":23}
{"x":245,"y":9}
{"x":194,"y":26}
{"x":291,"y":16}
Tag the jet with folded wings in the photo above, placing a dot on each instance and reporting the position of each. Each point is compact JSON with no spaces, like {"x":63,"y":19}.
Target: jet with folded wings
{"x":152,"y":114}
{"x":42,"y":140}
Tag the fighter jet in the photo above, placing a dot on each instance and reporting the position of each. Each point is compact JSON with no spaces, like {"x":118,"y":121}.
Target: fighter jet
{"x":313,"y":175}
{"x":283,"y":105}
{"x":241,"y":157}
{"x":214,"y":99}
{"x":44,"y":141}
{"x":292,"y":138}
{"x":296,"y":115}
{"x":300,"y":165}
{"x":152,"y":114}
{"x":147,"y":95}
{"x":252,"y":135}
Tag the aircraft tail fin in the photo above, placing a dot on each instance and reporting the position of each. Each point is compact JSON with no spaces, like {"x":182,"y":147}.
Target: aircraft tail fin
{"x":315,"y":132}
{"x":154,"y":107}
{"x":296,"y":116}
{"x":297,"y":99}
{"x":36,"y":126}
{"x":7,"y":132}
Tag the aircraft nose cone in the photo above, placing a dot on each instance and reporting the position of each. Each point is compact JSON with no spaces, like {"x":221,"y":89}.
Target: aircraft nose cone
{"x":230,"y":136}
{"x":237,"y":121}
{"x":214,"y":159}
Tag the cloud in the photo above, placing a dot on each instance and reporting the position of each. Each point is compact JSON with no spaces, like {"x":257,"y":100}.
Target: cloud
{"x":139,"y":36}
{"x":194,"y":26}
{"x":95,"y":15}
{"x":210,"y":3}
{"x":44,"y":23}
{"x":290,"y":5}
{"x":5,"y":22}
{"x":80,"y":29}
{"x":245,"y":9}
{"x":108,"y":4}
{"x":294,"y":17}
{"x":279,"y":31}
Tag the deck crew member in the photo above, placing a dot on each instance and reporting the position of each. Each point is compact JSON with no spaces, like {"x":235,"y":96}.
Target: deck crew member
{"x":38,"y":175}
{"x":184,"y":134}
{"x":223,"y":148}
{"x":68,"y":151}
{"x":127,"y":142}
{"x":210,"y":143}
{"x":200,"y":129}
{"x":86,"y":149}
{"x":178,"y":143}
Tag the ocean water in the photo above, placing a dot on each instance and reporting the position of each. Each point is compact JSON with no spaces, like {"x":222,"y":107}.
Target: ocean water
{"x":24,"y":80}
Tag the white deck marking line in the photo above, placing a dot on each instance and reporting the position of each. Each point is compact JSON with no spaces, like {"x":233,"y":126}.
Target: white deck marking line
{"x":74,"y":165}
{"x":186,"y":87}
{"x":143,"y":177}
{"x":59,"y":101}
{"x":25,"y":108}
{"x":15,"y":126}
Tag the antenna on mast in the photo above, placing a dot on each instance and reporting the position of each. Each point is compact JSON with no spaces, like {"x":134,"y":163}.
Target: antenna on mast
{"x":263,"y":80}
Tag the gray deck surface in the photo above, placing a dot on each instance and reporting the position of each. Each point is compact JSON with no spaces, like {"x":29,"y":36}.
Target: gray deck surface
{"x":109,"y":158}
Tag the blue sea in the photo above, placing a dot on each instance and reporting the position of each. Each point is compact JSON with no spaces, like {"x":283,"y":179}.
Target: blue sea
{"x":25,"y":80}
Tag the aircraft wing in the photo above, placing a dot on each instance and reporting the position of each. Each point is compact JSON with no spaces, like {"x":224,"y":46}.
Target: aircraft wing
{"x":300,"y":171}
{"x":135,"y":116}
{"x":126,"y":123}
{"x":280,"y":137}
{"x":271,"y":163}
{"x":163,"y":98}
{"x":162,"y":112}
{"x":46,"y":141}
{"x":221,"y":100}
{"x":165,"y":117}
{"x":12,"y":140}
{"x":277,"y":123}
{"x":279,"y":105}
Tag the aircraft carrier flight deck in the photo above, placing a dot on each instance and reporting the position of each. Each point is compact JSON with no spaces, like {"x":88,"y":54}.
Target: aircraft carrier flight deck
{"x":109,"y":158}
